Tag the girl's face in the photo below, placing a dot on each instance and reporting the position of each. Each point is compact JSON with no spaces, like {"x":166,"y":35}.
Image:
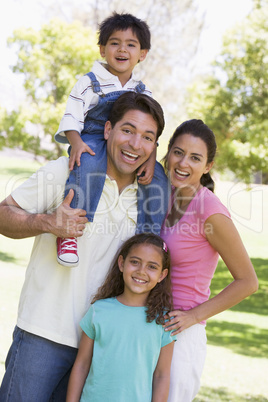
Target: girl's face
{"x":187,"y":162}
{"x":142,"y":269}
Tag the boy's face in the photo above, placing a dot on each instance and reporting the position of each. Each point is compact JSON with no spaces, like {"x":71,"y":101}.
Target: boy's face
{"x":122,"y":52}
{"x":129,"y":144}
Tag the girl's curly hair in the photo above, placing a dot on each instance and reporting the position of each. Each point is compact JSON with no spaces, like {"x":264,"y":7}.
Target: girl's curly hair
{"x":159,"y":301}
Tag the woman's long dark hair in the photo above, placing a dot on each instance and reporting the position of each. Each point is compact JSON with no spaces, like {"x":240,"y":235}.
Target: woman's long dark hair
{"x":199,"y":129}
{"x":159,"y":301}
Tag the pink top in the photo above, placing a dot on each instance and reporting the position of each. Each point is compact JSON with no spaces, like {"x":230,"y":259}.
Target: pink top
{"x":193,"y":259}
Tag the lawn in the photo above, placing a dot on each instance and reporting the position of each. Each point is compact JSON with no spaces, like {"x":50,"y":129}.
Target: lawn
{"x":237,"y":361}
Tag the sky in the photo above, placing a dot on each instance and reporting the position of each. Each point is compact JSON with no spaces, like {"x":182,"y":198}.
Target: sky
{"x":220,"y":15}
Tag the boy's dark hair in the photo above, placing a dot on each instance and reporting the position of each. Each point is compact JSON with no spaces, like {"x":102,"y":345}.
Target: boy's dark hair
{"x":159,"y":301}
{"x":136,"y":101}
{"x":122,"y":22}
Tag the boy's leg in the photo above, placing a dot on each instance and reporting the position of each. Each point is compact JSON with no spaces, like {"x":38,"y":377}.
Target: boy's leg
{"x":87,"y":181}
{"x":155,"y":198}
{"x":34,"y":368}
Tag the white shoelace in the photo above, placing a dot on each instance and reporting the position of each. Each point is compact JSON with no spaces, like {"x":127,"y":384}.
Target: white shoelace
{"x":68,"y":244}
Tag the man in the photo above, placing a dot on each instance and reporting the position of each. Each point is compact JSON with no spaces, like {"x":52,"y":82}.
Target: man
{"x":54,"y":298}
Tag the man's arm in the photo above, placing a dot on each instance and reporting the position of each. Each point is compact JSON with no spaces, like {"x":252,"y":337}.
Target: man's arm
{"x":17,"y":223}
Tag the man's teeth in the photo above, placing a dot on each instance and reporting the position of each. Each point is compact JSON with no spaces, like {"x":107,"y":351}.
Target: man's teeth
{"x":181,"y":173}
{"x":130,"y":155}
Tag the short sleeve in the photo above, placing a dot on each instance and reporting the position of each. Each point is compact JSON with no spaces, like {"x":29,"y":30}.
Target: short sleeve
{"x":167,"y":338}
{"x":210,"y":204}
{"x":43,"y":191}
{"x":87,"y":323}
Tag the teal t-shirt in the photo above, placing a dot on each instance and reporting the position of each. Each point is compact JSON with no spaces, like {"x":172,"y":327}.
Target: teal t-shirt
{"x":125,"y":354}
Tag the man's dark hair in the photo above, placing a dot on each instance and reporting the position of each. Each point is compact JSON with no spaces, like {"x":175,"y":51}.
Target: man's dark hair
{"x":122,"y":22}
{"x":136,"y":101}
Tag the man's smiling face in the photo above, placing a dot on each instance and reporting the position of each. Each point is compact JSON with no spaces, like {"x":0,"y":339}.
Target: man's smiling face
{"x":129,"y":144}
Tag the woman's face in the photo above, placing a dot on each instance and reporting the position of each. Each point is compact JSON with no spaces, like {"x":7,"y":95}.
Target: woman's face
{"x":187,"y":162}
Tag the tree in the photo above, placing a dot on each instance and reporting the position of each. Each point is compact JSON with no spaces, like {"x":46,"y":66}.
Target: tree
{"x":50,"y":60}
{"x":234,"y":101}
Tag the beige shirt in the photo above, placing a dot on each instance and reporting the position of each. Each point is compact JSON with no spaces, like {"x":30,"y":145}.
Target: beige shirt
{"x":54,"y":298}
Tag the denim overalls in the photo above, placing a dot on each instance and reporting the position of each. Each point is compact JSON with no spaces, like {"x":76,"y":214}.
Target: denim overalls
{"x":88,"y":179}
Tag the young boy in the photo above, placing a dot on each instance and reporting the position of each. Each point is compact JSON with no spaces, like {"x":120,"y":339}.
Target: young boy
{"x":124,"y":41}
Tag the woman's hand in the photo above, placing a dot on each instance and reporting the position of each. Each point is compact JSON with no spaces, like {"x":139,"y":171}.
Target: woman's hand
{"x":179,"y":320}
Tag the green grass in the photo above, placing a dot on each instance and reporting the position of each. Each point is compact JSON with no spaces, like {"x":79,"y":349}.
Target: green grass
{"x":237,"y":361}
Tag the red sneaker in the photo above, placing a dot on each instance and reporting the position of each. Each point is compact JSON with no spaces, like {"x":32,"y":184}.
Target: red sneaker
{"x":67,"y":251}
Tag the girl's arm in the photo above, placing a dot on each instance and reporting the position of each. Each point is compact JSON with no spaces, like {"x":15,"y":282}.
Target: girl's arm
{"x":148,"y":169}
{"x":161,"y":378}
{"x":223,"y":237}
{"x":78,"y":146}
{"x":80,"y":369}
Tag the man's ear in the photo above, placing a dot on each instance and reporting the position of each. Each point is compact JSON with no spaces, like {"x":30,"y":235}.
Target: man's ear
{"x":107,"y":129}
{"x":102,"y":51}
{"x":143,"y":54}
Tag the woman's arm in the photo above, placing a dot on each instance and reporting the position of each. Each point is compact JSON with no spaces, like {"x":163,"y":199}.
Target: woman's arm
{"x":161,"y":378}
{"x":80,"y":369}
{"x":223,"y":237}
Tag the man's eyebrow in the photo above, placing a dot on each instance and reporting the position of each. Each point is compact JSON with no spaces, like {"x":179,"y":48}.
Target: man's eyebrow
{"x":127,"y":123}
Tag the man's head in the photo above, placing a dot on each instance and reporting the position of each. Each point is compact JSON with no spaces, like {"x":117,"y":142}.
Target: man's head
{"x":123,"y":22}
{"x":135,"y":123}
{"x":136,"y":101}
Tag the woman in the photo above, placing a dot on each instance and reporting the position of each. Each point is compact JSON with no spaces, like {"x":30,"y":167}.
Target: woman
{"x":197,"y":229}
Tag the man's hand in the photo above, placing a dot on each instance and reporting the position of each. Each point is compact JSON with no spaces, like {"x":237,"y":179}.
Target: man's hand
{"x":67,"y":221}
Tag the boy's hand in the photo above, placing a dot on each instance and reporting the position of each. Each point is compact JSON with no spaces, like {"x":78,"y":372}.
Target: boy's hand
{"x":78,"y":146}
{"x":147,"y":171}
{"x":76,"y":152}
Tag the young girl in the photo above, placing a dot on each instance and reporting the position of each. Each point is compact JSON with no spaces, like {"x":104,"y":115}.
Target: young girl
{"x":124,"y":354}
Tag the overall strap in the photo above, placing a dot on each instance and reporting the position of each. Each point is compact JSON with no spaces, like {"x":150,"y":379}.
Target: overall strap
{"x":140,"y":87}
{"x":95,"y":83}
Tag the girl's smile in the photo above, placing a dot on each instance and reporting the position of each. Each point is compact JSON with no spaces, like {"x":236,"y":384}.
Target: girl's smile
{"x":142,"y":270}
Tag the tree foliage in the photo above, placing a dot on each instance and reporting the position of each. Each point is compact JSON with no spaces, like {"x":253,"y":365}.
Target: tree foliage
{"x":49,"y":60}
{"x":234,"y":101}
{"x":175,"y":28}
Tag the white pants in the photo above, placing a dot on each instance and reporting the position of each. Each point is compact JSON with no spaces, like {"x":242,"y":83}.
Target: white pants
{"x":187,"y":364}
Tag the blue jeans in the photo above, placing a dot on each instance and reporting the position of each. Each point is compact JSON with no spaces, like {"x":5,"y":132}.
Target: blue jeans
{"x":37,"y":370}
